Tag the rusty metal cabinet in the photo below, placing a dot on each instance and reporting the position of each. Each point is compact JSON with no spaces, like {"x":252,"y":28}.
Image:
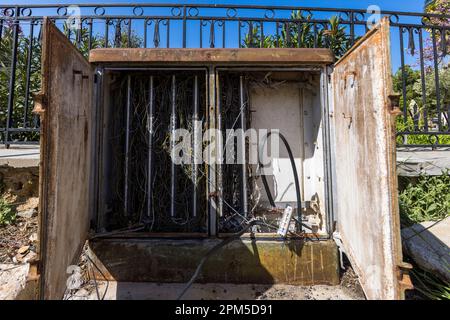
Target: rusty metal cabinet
{"x":359,"y":195}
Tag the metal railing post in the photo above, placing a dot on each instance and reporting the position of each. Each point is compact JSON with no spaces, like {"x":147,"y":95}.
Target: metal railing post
{"x":12,"y":79}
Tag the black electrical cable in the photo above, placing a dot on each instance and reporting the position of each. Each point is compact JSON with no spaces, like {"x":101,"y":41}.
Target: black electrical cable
{"x":254,"y":222}
{"x":294,"y":169}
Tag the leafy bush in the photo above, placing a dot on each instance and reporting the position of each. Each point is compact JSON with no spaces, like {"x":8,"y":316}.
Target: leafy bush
{"x":425,"y":199}
{"x":7,"y":214}
{"x":300,"y":34}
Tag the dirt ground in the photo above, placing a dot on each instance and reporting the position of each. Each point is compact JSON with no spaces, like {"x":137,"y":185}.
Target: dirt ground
{"x":19,"y":188}
{"x":18,"y":240}
{"x":210,"y":291}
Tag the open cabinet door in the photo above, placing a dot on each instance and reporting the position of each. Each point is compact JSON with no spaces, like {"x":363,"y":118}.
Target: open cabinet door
{"x":365,"y":165}
{"x":65,"y":107}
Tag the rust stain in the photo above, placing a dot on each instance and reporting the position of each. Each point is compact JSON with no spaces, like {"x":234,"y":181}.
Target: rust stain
{"x":242,"y":56}
{"x":64,"y":166}
{"x":365,"y":163}
{"x":175,"y":261}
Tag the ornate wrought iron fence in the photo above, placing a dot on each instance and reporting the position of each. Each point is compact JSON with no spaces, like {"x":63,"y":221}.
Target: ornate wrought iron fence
{"x":419,"y":49}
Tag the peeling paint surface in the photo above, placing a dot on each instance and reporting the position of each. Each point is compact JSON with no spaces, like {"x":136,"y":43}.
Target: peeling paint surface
{"x":65,"y":108}
{"x":366,"y":202}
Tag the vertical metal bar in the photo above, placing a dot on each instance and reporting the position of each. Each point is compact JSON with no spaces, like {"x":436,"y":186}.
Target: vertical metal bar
{"x":436,"y":79}
{"x":129,"y":34}
{"x":145,"y":32}
{"x":287,"y":27}
{"x":36,"y":119}
{"x":261,"y":40}
{"x":250,"y":34}
{"x":223,"y":33}
{"x":27,"y":85}
{"x":1,"y":29}
{"x":156,"y":36}
{"x":69,"y":34}
{"x":12,"y":79}
{"x":422,"y":77}
{"x":315,"y":35}
{"x":201,"y":34}
{"x":91,"y":22}
{"x":239,"y":34}
{"x":220,"y":149}
{"x":211,"y":186}
{"x":173,"y":126}
{"x":150,"y":115}
{"x":106,"y":32}
{"x":402,"y":60}
{"x":184,"y":26}
{"x":98,"y":208}
{"x":212,"y":34}
{"x":277,"y":27}
{"x":127,"y":146}
{"x":328,"y":149}
{"x":195,"y":119}
{"x":168,"y":34}
{"x":79,"y":35}
{"x":243,"y":118}
{"x":352,"y":28}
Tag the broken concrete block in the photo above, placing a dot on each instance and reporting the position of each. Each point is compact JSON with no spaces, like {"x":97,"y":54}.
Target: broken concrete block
{"x":428,"y":244}
{"x":23,"y":250}
{"x":13,"y":279}
{"x":27,"y":214}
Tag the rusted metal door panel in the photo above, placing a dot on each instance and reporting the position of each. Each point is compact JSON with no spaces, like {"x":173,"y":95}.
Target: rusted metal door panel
{"x":65,"y":106}
{"x":366,"y":181}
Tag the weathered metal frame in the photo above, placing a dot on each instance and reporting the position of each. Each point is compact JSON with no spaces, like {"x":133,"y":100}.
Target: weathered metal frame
{"x":323,"y":71}
{"x":372,"y":239}
{"x":99,"y":106}
{"x":214,"y":186}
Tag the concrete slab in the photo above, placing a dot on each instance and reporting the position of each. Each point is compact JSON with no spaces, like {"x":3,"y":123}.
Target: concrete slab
{"x":20,"y":156}
{"x":428,"y":243}
{"x":170,"y":291}
{"x":415,"y":163}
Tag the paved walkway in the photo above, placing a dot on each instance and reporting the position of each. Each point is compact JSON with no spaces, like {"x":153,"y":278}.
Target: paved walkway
{"x":414,"y":163}
{"x":20,"y":156}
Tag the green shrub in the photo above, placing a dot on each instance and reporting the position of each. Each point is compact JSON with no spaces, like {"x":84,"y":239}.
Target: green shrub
{"x":7,"y":214}
{"x":425,"y":199}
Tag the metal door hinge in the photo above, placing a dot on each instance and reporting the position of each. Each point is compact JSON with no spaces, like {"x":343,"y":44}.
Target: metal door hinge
{"x":40,"y":102}
{"x":404,"y":280}
{"x":394,"y":101}
{"x":33,"y":272}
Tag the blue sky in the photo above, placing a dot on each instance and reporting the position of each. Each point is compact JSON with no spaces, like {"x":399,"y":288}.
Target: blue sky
{"x":399,"y":5}
{"x":387,"y":5}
